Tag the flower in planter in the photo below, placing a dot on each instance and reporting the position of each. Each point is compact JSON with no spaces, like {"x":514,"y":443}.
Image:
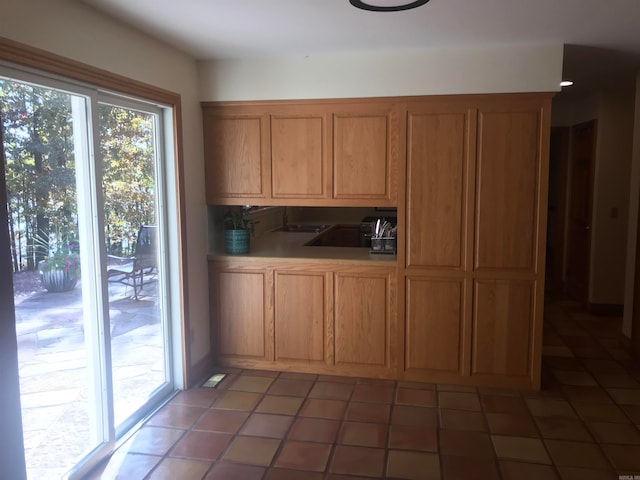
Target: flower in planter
{"x":63,"y":259}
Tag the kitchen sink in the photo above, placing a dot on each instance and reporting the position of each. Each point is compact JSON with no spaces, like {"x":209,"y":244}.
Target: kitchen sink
{"x":338,"y":236}
{"x":297,"y":228}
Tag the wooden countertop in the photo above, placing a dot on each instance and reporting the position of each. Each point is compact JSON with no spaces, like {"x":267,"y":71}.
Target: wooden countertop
{"x":291,"y":246}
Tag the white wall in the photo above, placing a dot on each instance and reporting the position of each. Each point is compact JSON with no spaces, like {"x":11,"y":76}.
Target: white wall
{"x":634,"y":192}
{"x":614,"y":111}
{"x":70,"y":29}
{"x":611,"y":197}
{"x":426,"y":72}
{"x":574,"y":110}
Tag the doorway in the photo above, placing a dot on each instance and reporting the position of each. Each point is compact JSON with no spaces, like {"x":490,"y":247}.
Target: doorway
{"x":557,"y":205}
{"x":583,"y":152}
{"x":84,"y":175}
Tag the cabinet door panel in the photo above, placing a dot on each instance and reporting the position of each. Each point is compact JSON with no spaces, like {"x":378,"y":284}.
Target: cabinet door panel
{"x":361,"y":319}
{"x":235,"y":163}
{"x":242,"y":314}
{"x":507,"y":179}
{"x":434,"y":325}
{"x":301,"y":317}
{"x":438,"y":156}
{"x":298,"y":157}
{"x":365,"y":151}
{"x":502,"y":327}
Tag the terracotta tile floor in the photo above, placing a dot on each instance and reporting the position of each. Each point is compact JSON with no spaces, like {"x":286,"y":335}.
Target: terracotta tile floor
{"x":257,"y":425}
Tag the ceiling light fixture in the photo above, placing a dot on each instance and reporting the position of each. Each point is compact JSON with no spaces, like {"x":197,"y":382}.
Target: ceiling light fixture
{"x":566,"y":83}
{"x":384,"y":6}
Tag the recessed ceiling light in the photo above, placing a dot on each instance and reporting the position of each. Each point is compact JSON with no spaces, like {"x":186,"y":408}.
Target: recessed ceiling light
{"x":387,"y":6}
{"x":566,"y":83}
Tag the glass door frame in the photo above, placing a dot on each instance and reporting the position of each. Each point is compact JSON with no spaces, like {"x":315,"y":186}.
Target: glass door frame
{"x":164,"y":297}
{"x":92,"y":238}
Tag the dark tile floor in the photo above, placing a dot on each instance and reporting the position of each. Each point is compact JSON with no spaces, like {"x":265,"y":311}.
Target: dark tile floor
{"x":257,"y":425}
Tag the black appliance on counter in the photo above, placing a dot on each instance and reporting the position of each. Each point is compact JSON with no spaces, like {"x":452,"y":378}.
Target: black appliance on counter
{"x":367,"y":225}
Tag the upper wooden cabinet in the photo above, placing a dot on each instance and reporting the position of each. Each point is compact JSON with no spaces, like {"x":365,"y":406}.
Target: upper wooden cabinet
{"x":236,"y":146}
{"x":509,"y":185}
{"x":300,"y":154}
{"x":440,"y":158}
{"x":367,"y":144}
{"x":309,"y":153}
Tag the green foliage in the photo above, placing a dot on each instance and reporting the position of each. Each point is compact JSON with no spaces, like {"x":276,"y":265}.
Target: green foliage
{"x":128,"y":176}
{"x":41,"y":171}
{"x":64,"y":257}
{"x":61,"y":260}
{"x":40,"y":166}
{"x":237,"y":218}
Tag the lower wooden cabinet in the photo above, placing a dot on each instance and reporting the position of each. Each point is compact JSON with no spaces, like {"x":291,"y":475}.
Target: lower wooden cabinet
{"x":343,"y":320}
{"x":363,"y":320}
{"x":475,"y":332}
{"x":331,"y":319}
{"x":436,"y":328}
{"x":303,"y":326}
{"x":240,"y":303}
{"x":503,"y":329}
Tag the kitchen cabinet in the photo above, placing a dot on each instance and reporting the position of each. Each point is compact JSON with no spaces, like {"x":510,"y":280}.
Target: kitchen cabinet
{"x":437,"y":333}
{"x":364,"y":320}
{"x":367,"y":144}
{"x":509,"y":185}
{"x":237,"y":150}
{"x":503,"y":326}
{"x":510,"y":238}
{"x":300,"y":153}
{"x":241,"y":309}
{"x":476,"y":215}
{"x":468,"y":175}
{"x":310,"y":317}
{"x":440,"y":162}
{"x":332,"y":153}
{"x":303,"y":323}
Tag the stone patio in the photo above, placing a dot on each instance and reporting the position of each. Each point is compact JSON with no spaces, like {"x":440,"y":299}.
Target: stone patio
{"x":54,"y":374}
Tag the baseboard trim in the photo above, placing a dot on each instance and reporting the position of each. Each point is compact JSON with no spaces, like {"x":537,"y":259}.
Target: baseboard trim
{"x":606,"y":309}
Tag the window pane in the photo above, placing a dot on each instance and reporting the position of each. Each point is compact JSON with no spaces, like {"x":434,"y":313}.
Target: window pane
{"x":59,"y":370}
{"x":135,"y":274}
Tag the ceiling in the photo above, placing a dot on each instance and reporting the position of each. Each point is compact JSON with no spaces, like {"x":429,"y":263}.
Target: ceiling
{"x":602,"y":37}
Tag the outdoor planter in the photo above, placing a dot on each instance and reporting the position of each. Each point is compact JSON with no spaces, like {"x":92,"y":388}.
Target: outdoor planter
{"x":56,"y":280}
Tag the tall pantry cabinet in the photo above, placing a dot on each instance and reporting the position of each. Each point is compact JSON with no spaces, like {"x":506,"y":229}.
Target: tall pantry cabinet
{"x":476,"y":200}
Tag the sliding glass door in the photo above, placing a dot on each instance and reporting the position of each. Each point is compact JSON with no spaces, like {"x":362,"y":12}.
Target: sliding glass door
{"x":87,"y":222}
{"x":132,"y":176}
